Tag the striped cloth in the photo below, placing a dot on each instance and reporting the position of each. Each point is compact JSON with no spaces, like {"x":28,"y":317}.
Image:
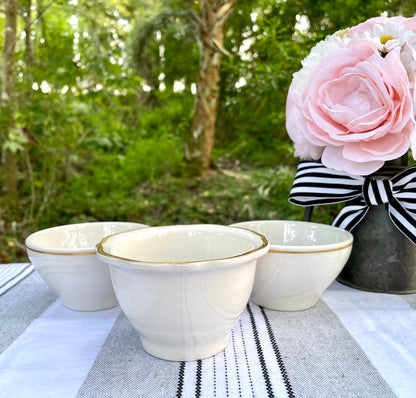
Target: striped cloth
{"x":12,"y":275}
{"x":351,"y":344}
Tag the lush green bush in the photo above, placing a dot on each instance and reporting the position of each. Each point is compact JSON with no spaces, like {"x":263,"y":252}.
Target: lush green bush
{"x":104,"y":189}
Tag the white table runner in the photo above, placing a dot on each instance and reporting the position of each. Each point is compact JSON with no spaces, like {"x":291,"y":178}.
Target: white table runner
{"x":351,"y":344}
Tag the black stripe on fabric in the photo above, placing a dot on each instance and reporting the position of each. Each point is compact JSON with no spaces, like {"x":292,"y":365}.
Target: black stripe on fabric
{"x":388,"y":190}
{"x":376,"y":192}
{"x":403,"y":229}
{"x":181,"y":377}
{"x":400,"y":187}
{"x":214,"y":371}
{"x":326,"y":175}
{"x":236,"y":364}
{"x":405,"y":173}
{"x":402,"y":211}
{"x":410,"y":187}
{"x":260,"y":354}
{"x":410,"y":223}
{"x":408,"y":218}
{"x":278,"y":355}
{"x":328,"y":184}
{"x":310,"y":163}
{"x":246,"y":358}
{"x":349,"y":226}
{"x":310,"y":202}
{"x":324,"y":195}
{"x":405,"y":184}
{"x":198,"y":387}
{"x":342,"y":216}
{"x":408,"y":200}
{"x":345,"y":213}
{"x":226,"y":374}
{"x":365,"y":191}
{"x":12,"y":286}
{"x":323,"y":190}
{"x":312,"y":166}
{"x":321,"y":196}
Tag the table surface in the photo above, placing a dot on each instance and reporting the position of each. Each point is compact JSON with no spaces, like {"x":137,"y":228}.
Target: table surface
{"x":351,"y":344}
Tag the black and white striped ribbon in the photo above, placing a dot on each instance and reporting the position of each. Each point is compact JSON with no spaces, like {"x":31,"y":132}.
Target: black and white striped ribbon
{"x":315,"y":184}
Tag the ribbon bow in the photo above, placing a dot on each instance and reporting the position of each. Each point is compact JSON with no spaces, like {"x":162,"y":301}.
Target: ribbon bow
{"x":315,"y":184}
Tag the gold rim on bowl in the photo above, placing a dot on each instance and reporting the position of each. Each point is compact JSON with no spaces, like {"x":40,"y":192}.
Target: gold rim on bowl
{"x":100,"y":250}
{"x":311,"y":251}
{"x":61,"y":253}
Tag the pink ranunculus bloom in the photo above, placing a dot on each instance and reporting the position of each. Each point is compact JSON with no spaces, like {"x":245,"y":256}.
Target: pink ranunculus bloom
{"x":409,"y":23}
{"x":355,"y":110}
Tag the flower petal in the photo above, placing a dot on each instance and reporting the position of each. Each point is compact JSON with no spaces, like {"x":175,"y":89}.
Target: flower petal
{"x":333,"y":158}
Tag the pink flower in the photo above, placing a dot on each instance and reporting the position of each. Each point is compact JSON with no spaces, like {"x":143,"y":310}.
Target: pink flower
{"x":355,"y":110}
{"x":409,"y":23}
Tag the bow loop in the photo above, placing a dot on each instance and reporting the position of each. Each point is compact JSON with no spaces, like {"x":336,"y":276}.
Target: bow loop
{"x":315,"y":184}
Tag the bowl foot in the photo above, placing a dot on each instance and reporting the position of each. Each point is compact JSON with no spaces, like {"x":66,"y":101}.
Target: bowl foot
{"x":184,"y":352}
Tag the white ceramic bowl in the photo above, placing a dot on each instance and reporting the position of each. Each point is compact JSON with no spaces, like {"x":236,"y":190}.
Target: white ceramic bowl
{"x":66,"y":259}
{"x":183,"y":287}
{"x":303,"y":260}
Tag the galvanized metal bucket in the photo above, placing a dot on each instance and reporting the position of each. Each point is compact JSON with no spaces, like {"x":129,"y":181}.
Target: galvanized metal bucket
{"x":382,"y":258}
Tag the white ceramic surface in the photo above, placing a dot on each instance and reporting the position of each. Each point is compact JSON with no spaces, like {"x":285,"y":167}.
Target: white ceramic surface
{"x":303,"y":260}
{"x":66,"y":259}
{"x":183,"y":287}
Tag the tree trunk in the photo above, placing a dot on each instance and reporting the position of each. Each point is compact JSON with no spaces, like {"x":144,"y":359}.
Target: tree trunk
{"x":9,"y":163}
{"x":211,"y":37}
{"x":29,"y":59}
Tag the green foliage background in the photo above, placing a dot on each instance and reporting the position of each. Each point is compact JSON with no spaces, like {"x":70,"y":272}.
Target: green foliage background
{"x":101,"y":129}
